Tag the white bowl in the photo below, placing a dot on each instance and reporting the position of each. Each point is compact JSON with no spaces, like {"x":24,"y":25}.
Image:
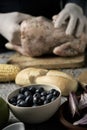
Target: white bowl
{"x":36,"y":114}
{"x":15,"y":126}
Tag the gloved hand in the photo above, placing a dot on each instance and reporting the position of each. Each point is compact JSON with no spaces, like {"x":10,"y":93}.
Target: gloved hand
{"x":10,"y":26}
{"x":77,"y":21}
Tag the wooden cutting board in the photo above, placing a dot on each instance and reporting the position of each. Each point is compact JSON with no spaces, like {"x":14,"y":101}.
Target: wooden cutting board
{"x":48,"y":62}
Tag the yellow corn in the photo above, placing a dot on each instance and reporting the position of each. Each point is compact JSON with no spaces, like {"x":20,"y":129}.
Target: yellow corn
{"x":8,"y":72}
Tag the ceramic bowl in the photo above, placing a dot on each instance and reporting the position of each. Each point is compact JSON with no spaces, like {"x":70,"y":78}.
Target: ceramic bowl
{"x":15,"y":126}
{"x":65,"y":120}
{"x":35,"y":114}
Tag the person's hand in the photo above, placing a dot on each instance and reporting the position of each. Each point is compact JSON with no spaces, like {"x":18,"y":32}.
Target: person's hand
{"x":10,"y":26}
{"x":77,"y":21}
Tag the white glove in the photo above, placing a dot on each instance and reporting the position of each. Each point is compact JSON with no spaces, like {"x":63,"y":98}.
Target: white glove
{"x":77,"y":21}
{"x":10,"y":25}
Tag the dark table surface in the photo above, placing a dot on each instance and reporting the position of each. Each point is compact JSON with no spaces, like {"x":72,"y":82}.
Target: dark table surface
{"x":51,"y":124}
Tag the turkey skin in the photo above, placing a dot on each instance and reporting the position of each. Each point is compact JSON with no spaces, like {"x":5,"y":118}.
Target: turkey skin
{"x":39,"y":37}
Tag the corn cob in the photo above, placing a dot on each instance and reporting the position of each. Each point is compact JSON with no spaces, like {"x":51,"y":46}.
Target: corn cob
{"x":8,"y":72}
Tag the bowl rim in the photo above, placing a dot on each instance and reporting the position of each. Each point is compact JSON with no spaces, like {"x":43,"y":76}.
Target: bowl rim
{"x":15,"y":124}
{"x":59,"y":97}
{"x":66,"y":123}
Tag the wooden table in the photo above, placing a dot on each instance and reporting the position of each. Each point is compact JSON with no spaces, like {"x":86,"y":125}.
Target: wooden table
{"x":6,"y":88}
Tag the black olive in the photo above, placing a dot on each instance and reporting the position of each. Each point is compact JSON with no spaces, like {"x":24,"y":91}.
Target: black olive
{"x":29,"y":100}
{"x":43,"y":98}
{"x":52,"y":90}
{"x":13,"y":100}
{"x":21,"y":96}
{"x":27,"y":93}
{"x":18,"y":101}
{"x":56,"y":93}
{"x":22,"y":90}
{"x":32,"y":89}
{"x":39,"y":90}
{"x":53,"y":98}
{"x":49,"y":96}
{"x":44,"y":93}
{"x":22,"y":104}
{"x":46,"y":101}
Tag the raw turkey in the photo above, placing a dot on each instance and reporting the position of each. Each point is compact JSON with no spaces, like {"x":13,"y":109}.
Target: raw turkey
{"x":39,"y":37}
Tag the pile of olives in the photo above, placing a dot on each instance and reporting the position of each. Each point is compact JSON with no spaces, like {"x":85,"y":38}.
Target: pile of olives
{"x":31,"y":96}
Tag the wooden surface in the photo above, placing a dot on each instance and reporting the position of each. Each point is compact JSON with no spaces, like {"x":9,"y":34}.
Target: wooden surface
{"x":48,"y":62}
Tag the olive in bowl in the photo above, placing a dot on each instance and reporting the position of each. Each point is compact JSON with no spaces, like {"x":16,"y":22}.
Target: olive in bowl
{"x":34,"y":103}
